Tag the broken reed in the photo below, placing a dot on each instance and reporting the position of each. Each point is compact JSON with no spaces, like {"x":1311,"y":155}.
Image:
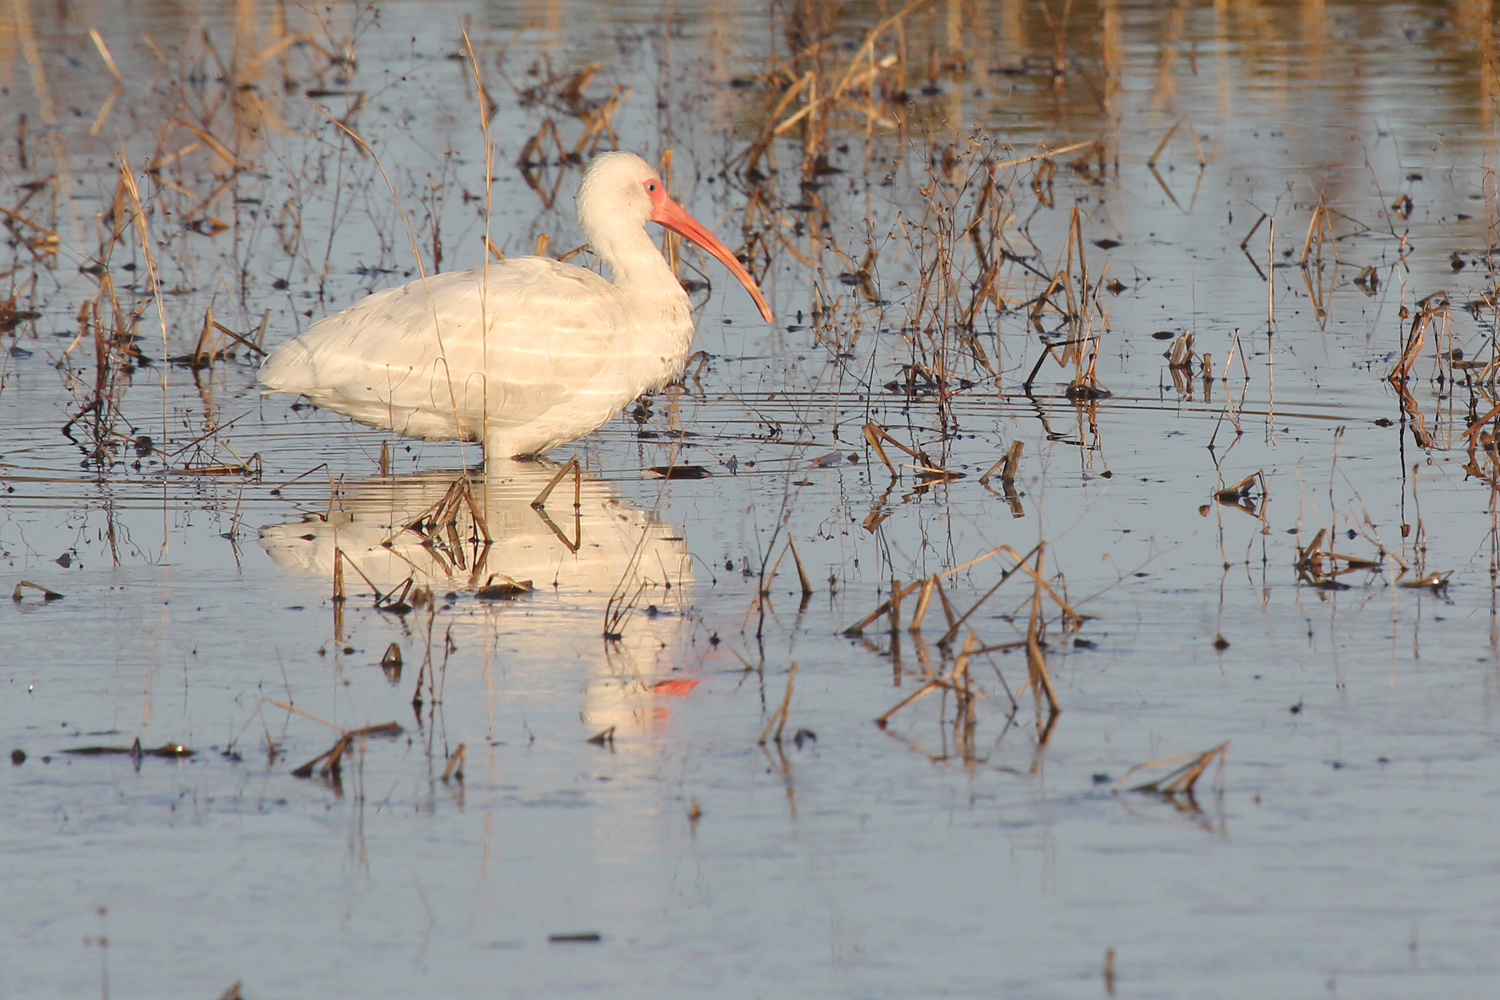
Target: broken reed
{"x":212,"y":131}
{"x":112,"y":331}
{"x":973,"y":259}
{"x":1039,"y":677}
{"x":778,"y":718}
{"x":1432,"y":312}
{"x":1182,"y":779}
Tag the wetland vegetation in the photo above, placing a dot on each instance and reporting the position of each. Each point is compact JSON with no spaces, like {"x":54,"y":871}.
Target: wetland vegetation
{"x":1086,"y":586}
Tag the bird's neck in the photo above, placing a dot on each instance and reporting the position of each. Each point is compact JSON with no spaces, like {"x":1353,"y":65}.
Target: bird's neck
{"x":640,"y":272}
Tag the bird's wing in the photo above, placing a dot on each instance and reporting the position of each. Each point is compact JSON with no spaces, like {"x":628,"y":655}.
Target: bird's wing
{"x":430,"y":357}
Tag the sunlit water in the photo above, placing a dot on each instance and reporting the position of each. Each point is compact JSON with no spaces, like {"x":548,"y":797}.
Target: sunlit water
{"x":1349,"y":848}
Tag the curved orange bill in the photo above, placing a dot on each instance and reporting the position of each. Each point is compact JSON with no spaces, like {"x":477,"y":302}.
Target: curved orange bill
{"x":670,"y":214}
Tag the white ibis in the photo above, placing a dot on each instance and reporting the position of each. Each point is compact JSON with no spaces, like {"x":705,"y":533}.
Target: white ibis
{"x":523,"y":354}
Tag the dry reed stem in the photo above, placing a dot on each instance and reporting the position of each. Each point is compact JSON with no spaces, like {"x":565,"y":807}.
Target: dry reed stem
{"x":884,"y":609}
{"x":1182,"y":779}
{"x":778,"y":717}
{"x":1271,"y":278}
{"x":950,"y":681}
{"x":801,"y":572}
{"x":1156,"y":153}
{"x":1427,"y":312}
{"x":1021,"y":563}
{"x":770,"y":575}
{"x":307,"y":715}
{"x":928,"y":585}
{"x":1182,"y":354}
{"x":943,"y":599}
{"x":217,"y":147}
{"x":455,"y":768}
{"x":1244,"y":243}
{"x":49,"y":237}
{"x":1044,"y":156}
{"x":1321,"y":227}
{"x":332,"y":758}
{"x":368,"y":582}
{"x":1477,"y":426}
{"x":874,"y":434}
{"x":138,"y":212}
{"x":1036,"y":661}
{"x":571,"y":466}
{"x":196,"y":359}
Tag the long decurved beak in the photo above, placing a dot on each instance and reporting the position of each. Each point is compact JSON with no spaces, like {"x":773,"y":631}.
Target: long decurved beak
{"x":672,"y":215}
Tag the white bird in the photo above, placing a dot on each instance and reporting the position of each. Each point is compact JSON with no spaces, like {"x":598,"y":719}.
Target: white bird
{"x":523,"y":354}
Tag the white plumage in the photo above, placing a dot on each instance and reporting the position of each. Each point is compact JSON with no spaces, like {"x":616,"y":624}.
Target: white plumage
{"x":524,"y":354}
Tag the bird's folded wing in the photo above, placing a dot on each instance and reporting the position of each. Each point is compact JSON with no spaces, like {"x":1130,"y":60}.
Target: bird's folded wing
{"x":437,"y":354}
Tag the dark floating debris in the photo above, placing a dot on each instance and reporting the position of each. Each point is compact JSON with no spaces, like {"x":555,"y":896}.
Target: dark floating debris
{"x":582,"y":937}
{"x":1432,"y":581}
{"x":18,"y":756}
{"x":500,"y":587}
{"x":679,"y":472}
{"x":168,"y":750}
{"x":1085,"y":392}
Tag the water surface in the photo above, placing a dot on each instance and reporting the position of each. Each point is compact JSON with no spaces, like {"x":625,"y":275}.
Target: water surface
{"x":1344,"y":849}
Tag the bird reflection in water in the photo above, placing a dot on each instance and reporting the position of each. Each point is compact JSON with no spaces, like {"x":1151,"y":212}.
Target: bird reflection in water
{"x":436,"y":541}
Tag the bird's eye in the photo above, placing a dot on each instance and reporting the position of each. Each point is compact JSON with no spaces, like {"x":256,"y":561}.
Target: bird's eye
{"x":651,"y":187}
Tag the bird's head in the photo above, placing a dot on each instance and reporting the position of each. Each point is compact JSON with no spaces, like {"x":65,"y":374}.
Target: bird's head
{"x":617,"y":191}
{"x":621,"y":192}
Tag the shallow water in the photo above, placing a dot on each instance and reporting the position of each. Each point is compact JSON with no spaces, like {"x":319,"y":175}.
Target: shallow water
{"x":1344,"y":848}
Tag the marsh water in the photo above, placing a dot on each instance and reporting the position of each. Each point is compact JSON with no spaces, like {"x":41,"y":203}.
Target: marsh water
{"x":979,"y":223}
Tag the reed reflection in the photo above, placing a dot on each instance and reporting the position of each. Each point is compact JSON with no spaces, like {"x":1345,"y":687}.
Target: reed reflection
{"x":583,"y":579}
